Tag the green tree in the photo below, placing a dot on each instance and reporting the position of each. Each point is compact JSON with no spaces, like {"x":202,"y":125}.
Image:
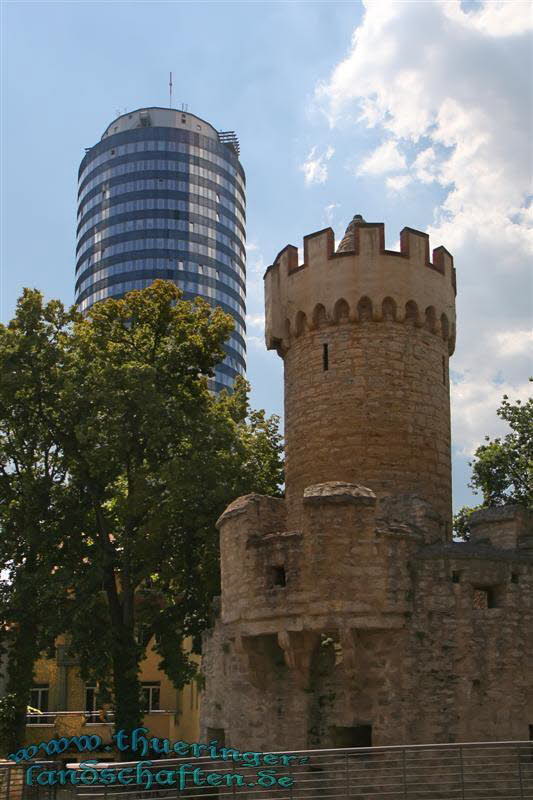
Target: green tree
{"x":36,"y":506}
{"x":502,"y":469}
{"x":153,"y":458}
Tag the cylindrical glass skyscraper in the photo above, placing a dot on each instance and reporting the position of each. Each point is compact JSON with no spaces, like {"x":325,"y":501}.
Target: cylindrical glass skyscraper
{"x":162,"y":195}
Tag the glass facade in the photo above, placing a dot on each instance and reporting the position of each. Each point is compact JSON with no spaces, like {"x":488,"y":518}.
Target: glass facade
{"x":162,"y":195}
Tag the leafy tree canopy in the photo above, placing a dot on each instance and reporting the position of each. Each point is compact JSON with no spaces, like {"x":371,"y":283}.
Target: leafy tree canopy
{"x":502,"y":469}
{"x":139,"y":459}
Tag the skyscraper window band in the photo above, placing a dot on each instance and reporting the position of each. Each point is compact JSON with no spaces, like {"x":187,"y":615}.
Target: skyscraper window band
{"x":180,"y":163}
{"x":159,"y":226}
{"x":165,"y":201}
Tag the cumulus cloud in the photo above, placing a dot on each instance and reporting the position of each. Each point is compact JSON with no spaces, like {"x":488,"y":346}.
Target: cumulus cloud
{"x":386,"y":158}
{"x":315,"y":167}
{"x":515,"y":342}
{"x":450,"y":92}
{"x":474,"y":405}
{"x":398,"y":182}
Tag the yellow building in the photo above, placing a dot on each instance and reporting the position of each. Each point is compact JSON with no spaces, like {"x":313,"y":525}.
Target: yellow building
{"x":65,"y":706}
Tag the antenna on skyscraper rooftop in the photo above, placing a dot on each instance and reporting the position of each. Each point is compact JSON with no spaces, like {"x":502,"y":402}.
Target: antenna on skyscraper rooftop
{"x":170,"y":89}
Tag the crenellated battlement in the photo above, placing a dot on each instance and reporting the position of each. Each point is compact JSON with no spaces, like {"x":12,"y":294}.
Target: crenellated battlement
{"x":360,"y":281}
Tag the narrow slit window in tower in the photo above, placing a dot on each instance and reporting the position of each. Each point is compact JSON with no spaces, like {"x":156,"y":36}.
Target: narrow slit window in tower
{"x":325,"y":357}
{"x":444,"y":370}
{"x":277,"y":576}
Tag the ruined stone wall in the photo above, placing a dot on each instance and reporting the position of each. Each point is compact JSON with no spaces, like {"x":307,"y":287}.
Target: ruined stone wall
{"x":403,"y":645}
{"x":475,"y":658}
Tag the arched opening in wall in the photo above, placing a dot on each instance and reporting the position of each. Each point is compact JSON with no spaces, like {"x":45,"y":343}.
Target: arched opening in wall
{"x":411,"y":313}
{"x":341,"y":311}
{"x":388,"y":309}
{"x":301,"y":323}
{"x":430,"y":321}
{"x":320,"y":319}
{"x":364,"y":309}
{"x":444,"y":327}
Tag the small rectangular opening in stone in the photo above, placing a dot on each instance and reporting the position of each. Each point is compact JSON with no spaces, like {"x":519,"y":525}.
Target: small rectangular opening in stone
{"x":514,"y":577}
{"x":356,"y":736}
{"x":276,"y":575}
{"x":483,"y":597}
{"x":325,"y":357}
{"x":456,"y":577}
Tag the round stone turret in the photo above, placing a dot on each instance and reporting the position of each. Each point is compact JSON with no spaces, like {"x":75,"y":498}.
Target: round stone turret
{"x":365,"y":334}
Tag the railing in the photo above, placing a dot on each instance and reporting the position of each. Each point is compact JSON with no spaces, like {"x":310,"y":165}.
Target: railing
{"x":13,"y":786}
{"x":470,"y":771}
{"x":92,"y":717}
{"x":50,"y":717}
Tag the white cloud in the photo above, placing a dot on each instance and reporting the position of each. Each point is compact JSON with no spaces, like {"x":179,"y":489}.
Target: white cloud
{"x":495,"y":18}
{"x":398,"y":182}
{"x":255,"y":321}
{"x":514,"y":342}
{"x":329,"y":212}
{"x":426,"y":166}
{"x":475,"y":403}
{"x":315,"y":168}
{"x":386,"y":158}
{"x":452,"y":89}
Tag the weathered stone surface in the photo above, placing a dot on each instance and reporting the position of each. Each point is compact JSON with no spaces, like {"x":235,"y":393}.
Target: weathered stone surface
{"x":339,"y":492}
{"x":503,"y":526}
{"x":347,"y":606}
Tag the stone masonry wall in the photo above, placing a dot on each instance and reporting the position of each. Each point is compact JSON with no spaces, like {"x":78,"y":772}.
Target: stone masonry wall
{"x":348,"y":615}
{"x":420,"y":661}
{"x":379,"y":415}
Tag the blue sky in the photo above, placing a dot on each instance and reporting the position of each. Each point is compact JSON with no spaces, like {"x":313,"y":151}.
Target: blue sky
{"x":414,"y":113}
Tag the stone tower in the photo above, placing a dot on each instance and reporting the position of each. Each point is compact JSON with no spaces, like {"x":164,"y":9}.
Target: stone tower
{"x":348,"y":616}
{"x":365,"y":334}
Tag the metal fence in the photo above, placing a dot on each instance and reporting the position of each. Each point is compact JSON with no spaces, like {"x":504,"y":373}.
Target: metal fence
{"x":13,"y":786}
{"x":478,"y":771}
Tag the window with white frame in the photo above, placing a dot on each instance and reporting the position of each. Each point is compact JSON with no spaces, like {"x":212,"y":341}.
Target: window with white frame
{"x":39,"y":702}
{"x":150,"y":692}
